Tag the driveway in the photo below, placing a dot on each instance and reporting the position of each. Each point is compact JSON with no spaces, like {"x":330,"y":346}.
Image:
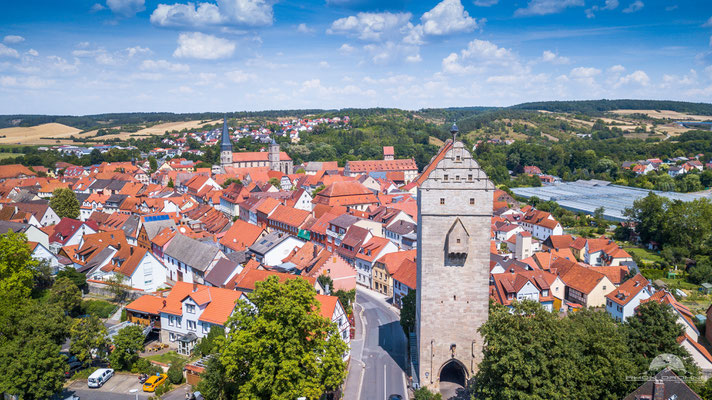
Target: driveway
{"x":117,"y":388}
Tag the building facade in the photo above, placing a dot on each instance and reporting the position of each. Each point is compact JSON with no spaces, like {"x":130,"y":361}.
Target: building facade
{"x":454,"y":213}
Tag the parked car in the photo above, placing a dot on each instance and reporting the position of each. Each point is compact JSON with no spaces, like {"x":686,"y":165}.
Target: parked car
{"x":99,"y":377}
{"x":153,"y":382}
{"x":74,"y":366}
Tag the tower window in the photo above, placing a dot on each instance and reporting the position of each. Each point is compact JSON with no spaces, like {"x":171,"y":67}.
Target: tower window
{"x":445,"y":177}
{"x":457,"y":177}
{"x":472,"y":201}
{"x":442,"y":200}
{"x":457,"y":158}
{"x":469,"y":177}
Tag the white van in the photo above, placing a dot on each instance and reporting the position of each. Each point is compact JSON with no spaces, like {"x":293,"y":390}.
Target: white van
{"x":99,"y":377}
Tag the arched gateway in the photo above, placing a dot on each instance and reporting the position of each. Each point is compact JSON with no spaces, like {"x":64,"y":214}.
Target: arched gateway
{"x":454,"y":216}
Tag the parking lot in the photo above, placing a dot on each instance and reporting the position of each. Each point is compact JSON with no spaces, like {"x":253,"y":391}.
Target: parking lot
{"x":117,"y":388}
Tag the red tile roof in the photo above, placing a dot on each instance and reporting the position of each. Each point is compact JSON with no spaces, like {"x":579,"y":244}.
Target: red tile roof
{"x":628,"y":290}
{"x":241,"y":235}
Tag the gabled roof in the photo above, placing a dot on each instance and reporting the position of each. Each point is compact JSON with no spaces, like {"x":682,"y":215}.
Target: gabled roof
{"x":241,"y":235}
{"x":191,"y":252}
{"x":407,"y":273}
{"x":628,"y":290}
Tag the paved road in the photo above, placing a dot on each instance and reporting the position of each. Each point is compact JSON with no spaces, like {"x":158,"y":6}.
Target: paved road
{"x":378,"y":352}
{"x":116,"y":388}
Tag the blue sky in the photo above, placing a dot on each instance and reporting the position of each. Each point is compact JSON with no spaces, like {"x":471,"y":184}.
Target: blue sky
{"x":94,"y":56}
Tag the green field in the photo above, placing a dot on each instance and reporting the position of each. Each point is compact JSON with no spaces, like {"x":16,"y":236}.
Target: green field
{"x":645,"y":255}
{"x":10,"y":155}
{"x":169,"y":358}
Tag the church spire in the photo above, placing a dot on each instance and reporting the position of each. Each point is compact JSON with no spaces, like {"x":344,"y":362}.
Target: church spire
{"x":225,"y":143}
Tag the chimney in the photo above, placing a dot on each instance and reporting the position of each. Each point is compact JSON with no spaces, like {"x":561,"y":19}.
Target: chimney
{"x":659,"y":390}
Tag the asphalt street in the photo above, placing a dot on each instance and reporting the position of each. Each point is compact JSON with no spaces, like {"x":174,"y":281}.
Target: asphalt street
{"x":378,"y":355}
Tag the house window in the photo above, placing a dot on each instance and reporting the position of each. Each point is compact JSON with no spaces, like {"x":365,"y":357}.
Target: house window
{"x":172,"y":337}
{"x":442,"y":200}
{"x":190,"y":308}
{"x":472,"y":202}
{"x":178,"y":320}
{"x":445,"y":177}
{"x":604,"y":287}
{"x":191,"y":325}
{"x":171,"y":321}
{"x":206,"y":328}
{"x":457,"y":158}
{"x":469,"y":177}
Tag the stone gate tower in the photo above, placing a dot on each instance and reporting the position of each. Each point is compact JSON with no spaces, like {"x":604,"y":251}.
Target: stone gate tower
{"x":454,"y":214}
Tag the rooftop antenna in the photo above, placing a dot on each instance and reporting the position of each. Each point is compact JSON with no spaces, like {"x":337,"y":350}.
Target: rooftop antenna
{"x":454,"y":131}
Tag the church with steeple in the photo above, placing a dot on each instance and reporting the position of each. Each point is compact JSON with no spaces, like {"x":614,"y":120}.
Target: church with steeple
{"x":274,"y":158}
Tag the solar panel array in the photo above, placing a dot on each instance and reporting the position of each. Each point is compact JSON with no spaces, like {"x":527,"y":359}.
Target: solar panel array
{"x":587,"y":196}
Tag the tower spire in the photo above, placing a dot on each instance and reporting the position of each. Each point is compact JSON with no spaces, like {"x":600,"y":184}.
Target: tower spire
{"x":225,"y":143}
{"x":454,"y":131}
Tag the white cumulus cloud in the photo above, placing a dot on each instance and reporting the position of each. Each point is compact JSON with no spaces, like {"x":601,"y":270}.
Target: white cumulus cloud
{"x":637,"y":5}
{"x":486,"y":3}
{"x":225,"y":12}
{"x":203,"y":46}
{"x":238,"y":76}
{"x":13,"y":39}
{"x":8,"y":51}
{"x":638,"y":77}
{"x":163,"y":65}
{"x":708,"y":23}
{"x":448,"y":16}
{"x":371,"y":26}
{"x":551,"y":57}
{"x":126,"y":8}
{"x":545,"y":7}
{"x":303,"y":28}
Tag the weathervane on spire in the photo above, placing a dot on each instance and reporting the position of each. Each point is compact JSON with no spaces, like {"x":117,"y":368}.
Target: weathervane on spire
{"x":454,"y":131}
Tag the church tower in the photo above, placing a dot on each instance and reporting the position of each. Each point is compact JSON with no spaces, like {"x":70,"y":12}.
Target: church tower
{"x":454,"y":214}
{"x":273,"y":157}
{"x":225,"y":146}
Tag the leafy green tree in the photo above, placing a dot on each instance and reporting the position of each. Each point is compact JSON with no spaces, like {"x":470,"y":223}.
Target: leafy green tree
{"x":230,"y":181}
{"x":175,"y":373}
{"x":653,"y":331}
{"x":171,"y":184}
{"x":66,"y":294}
{"x":425,"y":394}
{"x":16,"y":266}
{"x":117,"y":287}
{"x":648,"y":215}
{"x":128,"y":342}
{"x":275,"y":182}
{"x":326,"y":282}
{"x":152,"y":164}
{"x":531,"y":353}
{"x":79,"y":279}
{"x":207,"y":344}
{"x":32,"y":366}
{"x":213,"y":384}
{"x":702,"y":271}
{"x":347,"y":299}
{"x":64,"y":202}
{"x":30,"y":336}
{"x":407,"y":312}
{"x":88,"y":335}
{"x":279,"y":346}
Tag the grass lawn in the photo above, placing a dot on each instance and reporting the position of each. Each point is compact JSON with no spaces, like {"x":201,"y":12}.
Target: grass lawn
{"x":10,"y":155}
{"x":169,"y":358}
{"x":643,"y":254}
